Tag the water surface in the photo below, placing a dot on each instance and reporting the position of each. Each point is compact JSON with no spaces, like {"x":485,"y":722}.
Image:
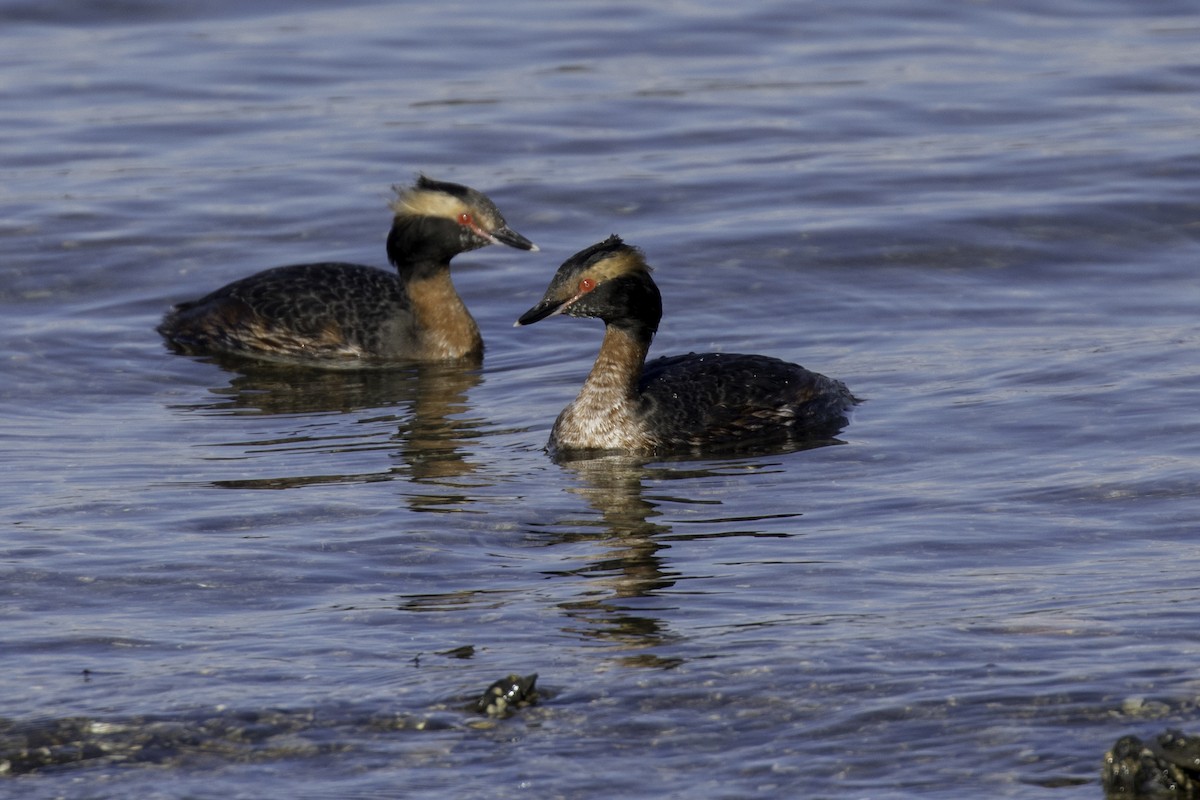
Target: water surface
{"x":291,"y":582}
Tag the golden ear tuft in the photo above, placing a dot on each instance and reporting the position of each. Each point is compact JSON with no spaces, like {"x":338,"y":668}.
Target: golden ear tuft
{"x":420,"y":202}
{"x":624,"y":262}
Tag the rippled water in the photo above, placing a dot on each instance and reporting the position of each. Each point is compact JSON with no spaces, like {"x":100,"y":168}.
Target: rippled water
{"x":982,"y":217}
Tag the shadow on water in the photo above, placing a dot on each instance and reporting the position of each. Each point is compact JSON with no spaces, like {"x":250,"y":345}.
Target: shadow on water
{"x":351,"y":411}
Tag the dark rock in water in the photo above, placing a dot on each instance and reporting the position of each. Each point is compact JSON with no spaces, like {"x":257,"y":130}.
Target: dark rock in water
{"x":36,"y":745}
{"x":240,"y":736}
{"x":1166,"y":766}
{"x":508,"y":693}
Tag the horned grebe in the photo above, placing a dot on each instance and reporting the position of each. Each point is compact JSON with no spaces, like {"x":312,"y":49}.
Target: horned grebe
{"x":337,"y":313}
{"x":687,"y":402}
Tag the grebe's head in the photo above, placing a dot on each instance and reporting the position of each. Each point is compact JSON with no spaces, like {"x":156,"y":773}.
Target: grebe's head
{"x":610,"y":280}
{"x":473,"y":216}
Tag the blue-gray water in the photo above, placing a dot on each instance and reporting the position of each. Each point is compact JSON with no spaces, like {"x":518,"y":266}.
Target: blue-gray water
{"x":984,"y":217}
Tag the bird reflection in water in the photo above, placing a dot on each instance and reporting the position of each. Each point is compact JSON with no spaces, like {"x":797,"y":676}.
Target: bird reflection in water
{"x":630,"y":566}
{"x":419,"y":414}
{"x":633,"y":564}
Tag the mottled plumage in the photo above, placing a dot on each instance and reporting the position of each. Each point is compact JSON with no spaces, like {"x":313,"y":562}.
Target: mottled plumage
{"x":687,"y":402}
{"x":338,"y":313}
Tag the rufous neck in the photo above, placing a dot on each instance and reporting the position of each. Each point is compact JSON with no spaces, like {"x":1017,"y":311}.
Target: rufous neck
{"x":618,"y":365}
{"x":445,"y":326}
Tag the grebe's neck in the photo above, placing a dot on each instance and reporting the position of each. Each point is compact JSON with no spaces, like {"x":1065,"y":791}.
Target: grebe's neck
{"x":605,"y":414}
{"x":444,"y":326}
{"x":618,"y":366}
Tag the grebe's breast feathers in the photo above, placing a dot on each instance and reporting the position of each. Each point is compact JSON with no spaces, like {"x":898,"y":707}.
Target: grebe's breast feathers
{"x":610,"y":280}
{"x":471,"y":219}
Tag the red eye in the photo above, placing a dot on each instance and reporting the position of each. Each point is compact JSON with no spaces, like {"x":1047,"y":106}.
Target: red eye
{"x":464,"y":218}
{"x":586,"y":285}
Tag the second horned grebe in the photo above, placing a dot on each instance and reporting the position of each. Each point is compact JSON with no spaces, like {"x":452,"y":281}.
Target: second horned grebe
{"x":336,"y":313}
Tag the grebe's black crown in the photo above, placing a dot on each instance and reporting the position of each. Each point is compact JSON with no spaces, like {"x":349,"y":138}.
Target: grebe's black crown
{"x":408,"y":199}
{"x":600,"y":250}
{"x":427,"y":183}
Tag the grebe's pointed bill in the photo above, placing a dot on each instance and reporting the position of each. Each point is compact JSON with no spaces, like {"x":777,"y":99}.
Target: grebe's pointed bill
{"x":506,"y":235}
{"x":546,"y":308}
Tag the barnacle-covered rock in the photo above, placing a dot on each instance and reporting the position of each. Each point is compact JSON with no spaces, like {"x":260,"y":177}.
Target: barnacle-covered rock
{"x":1166,"y":766}
{"x":510,"y":692}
